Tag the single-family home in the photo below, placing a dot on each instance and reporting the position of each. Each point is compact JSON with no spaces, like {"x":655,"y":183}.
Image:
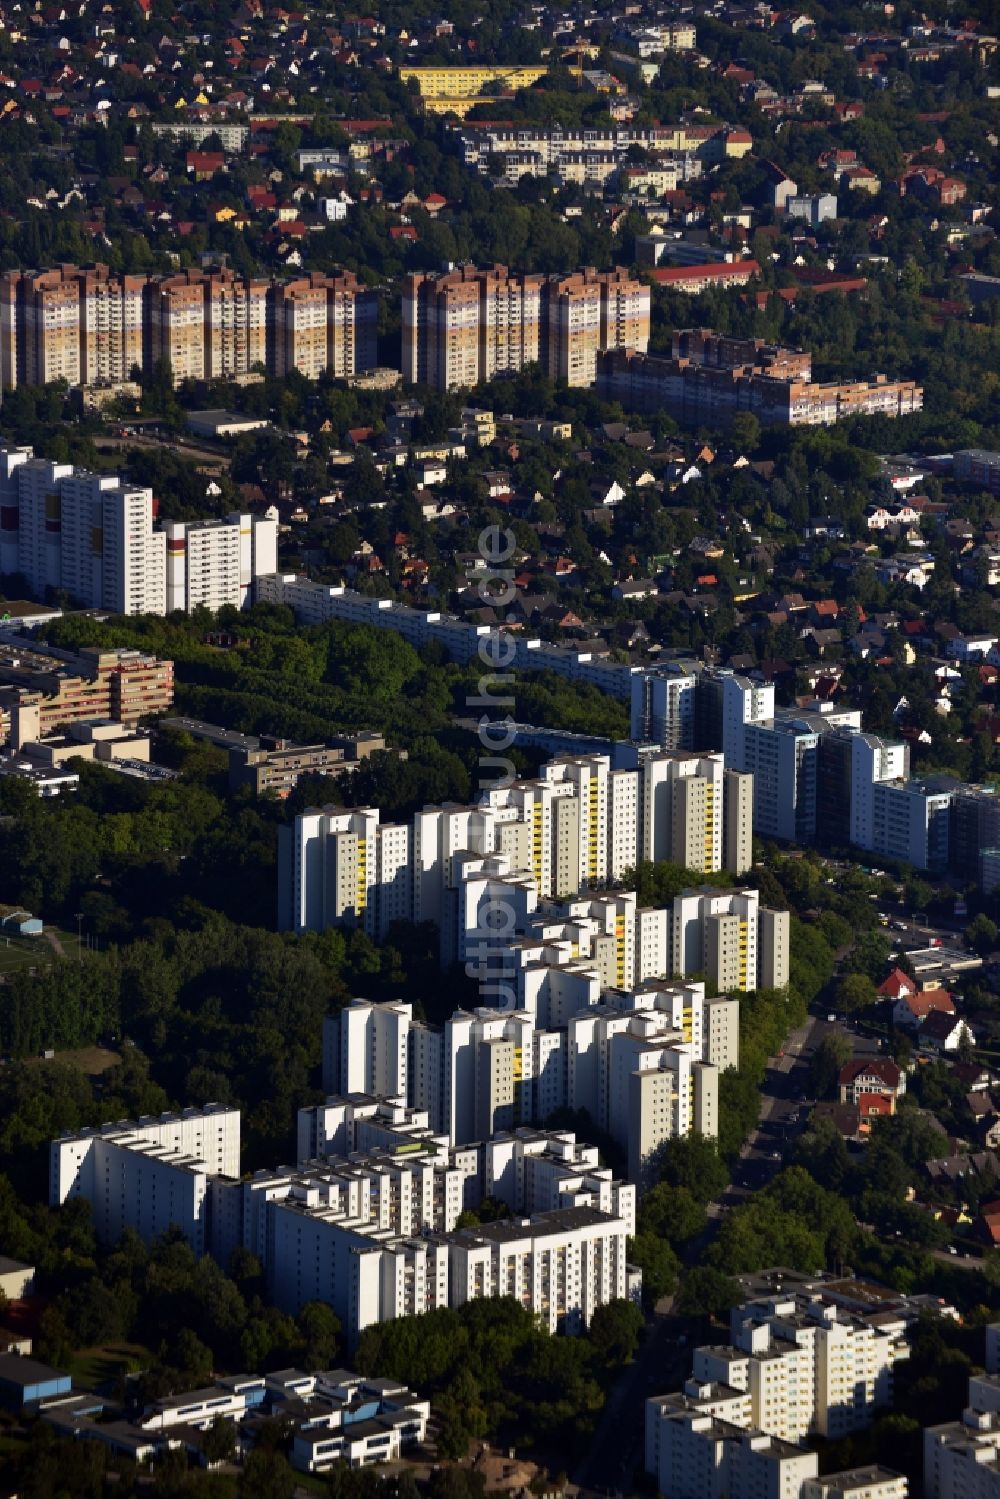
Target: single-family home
{"x":867,"y":1077}
{"x":945,"y":1032}
{"x":912,"y":1011}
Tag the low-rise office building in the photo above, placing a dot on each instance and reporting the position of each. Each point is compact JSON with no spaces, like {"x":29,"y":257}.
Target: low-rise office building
{"x":53,"y":688}
{"x":334,"y":1416}
{"x":275,"y":765}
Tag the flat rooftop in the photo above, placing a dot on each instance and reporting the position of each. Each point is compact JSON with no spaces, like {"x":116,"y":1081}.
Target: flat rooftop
{"x":541,"y":1225}
{"x":212,"y":732}
{"x":11,"y":609}
{"x":9,"y":1266}
{"x":15,"y":1369}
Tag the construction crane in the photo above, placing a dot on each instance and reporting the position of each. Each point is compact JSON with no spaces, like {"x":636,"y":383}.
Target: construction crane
{"x":579,"y":50}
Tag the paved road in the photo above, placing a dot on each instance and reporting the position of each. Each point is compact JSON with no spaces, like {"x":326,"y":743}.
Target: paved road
{"x":662,"y":1363}
{"x":958,"y":1261}
{"x":55,"y":943}
{"x":786,"y":1083}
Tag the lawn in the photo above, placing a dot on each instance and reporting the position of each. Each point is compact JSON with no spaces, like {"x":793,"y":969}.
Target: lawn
{"x":311,"y":1483}
{"x":20,"y":953}
{"x":103,"y":1365}
{"x":92,"y":1060}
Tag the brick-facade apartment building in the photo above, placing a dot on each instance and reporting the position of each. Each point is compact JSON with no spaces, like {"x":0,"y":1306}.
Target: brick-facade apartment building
{"x":709,"y":378}
{"x":467,"y":325}
{"x":53,"y":688}
{"x":978,"y":466}
{"x":694,"y":279}
{"x":89,"y":327}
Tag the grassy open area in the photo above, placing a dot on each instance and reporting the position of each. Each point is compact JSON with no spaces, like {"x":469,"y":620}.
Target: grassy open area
{"x":20,"y":953}
{"x":92,"y":1060}
{"x":311,"y":1483}
{"x":17,"y":954}
{"x":93,"y":1368}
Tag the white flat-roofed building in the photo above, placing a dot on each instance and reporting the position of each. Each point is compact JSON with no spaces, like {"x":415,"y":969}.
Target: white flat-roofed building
{"x":213,"y":563}
{"x":229,"y":1399}
{"x":561,"y":1265}
{"x":721,"y":1021}
{"x":984,"y":1392}
{"x":911,"y":820}
{"x":682,"y":810}
{"x":716,"y":1400}
{"x":809,"y":1356}
{"x":328,"y":870}
{"x":315,"y":603}
{"x":95,"y":537}
{"x":962,"y":1458}
{"x":392,"y":1419}
{"x":663,"y":707}
{"x":16,"y":1278}
{"x":537,"y":1171}
{"x":852,"y":1358}
{"x":371,"y":1230}
{"x":870,"y":1482}
{"x":808,"y":1365}
{"x":498,"y":1068}
{"x":374,"y":1042}
{"x":705,"y":1457}
{"x":319,"y":1253}
{"x":343,"y":1125}
{"x":150,"y":1174}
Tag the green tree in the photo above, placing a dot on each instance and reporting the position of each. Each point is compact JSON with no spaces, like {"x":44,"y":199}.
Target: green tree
{"x":981,"y":934}
{"x":832,"y":1053}
{"x":659,"y":1265}
{"x":320,"y":1329}
{"x":219,"y":1441}
{"x":692,"y":1161}
{"x":706,"y":1292}
{"x":823,"y":1153}
{"x":745,"y":431}
{"x":657,"y":884}
{"x":615,"y":1330}
{"x":266,"y":1475}
{"x":759,"y":1234}
{"x":855,"y":992}
{"x":870,"y":955}
{"x":672,"y":1213}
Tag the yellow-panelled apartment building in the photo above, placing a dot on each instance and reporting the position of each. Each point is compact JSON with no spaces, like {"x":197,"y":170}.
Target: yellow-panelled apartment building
{"x":456,"y":90}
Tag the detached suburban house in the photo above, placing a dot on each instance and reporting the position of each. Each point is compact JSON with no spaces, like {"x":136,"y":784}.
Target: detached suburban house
{"x":912,"y":1011}
{"x":897,"y":984}
{"x":945,"y":1032}
{"x":872,"y":1080}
